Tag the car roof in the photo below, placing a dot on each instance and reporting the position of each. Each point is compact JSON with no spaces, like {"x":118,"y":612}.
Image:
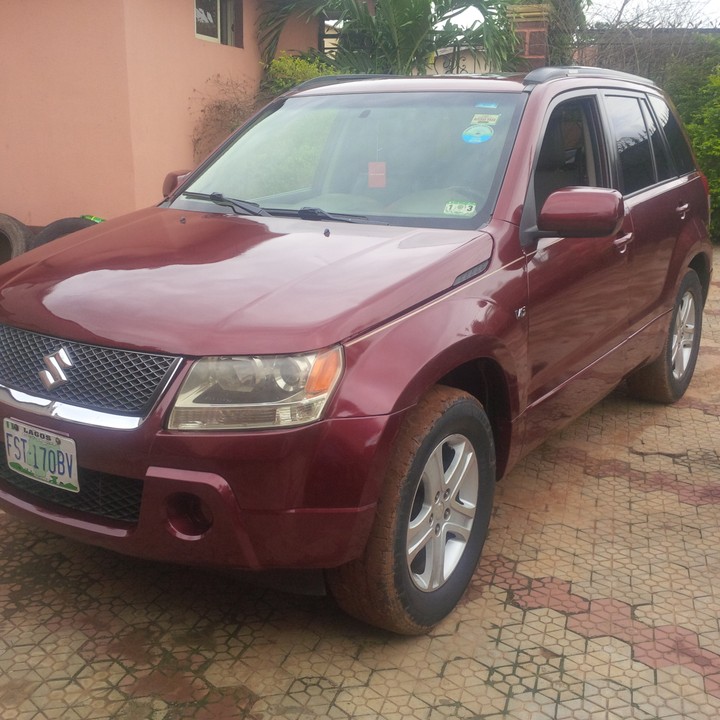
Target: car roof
{"x":336,"y":84}
{"x":492,"y":82}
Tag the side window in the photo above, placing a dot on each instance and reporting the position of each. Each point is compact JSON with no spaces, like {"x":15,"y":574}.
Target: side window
{"x":663,"y":165}
{"x":632,"y":141}
{"x":570,"y":152}
{"x":681,"y":153}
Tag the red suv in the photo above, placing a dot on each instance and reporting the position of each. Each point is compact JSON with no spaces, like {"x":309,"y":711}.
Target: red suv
{"x":328,"y":342}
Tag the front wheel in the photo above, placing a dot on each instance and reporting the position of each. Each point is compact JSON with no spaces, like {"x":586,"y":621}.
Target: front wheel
{"x":666,"y":379}
{"x":432,"y":518}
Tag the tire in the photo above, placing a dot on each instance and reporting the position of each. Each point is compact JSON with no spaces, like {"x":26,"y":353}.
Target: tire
{"x":666,"y":379}
{"x":14,"y":237}
{"x":394,"y":585}
{"x":58,"y":228}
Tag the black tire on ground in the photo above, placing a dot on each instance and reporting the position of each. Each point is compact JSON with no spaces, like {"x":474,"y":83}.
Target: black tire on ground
{"x":666,"y":379}
{"x":14,"y":237}
{"x":58,"y":228}
{"x":435,"y":504}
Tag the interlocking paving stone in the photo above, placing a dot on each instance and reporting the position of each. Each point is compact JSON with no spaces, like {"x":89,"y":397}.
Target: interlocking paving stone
{"x":597,"y":598}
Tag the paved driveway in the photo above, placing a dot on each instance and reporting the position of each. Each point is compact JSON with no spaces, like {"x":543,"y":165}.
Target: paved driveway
{"x":598,"y":597}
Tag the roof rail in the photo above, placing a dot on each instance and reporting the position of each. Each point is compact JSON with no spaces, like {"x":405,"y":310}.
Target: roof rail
{"x":323,"y":80}
{"x":545,"y":74}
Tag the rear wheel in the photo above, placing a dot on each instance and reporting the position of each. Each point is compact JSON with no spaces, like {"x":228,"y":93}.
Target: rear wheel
{"x":432,"y":518}
{"x":666,"y":379}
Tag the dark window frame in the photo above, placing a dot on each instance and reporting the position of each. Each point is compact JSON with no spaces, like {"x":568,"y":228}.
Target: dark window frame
{"x":224,"y":22}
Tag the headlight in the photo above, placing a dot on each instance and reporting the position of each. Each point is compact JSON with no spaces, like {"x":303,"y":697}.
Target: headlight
{"x":225,"y":393}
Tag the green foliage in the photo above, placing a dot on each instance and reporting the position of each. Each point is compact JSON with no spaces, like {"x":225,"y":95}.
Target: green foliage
{"x":567,"y":19}
{"x":402,"y":36}
{"x":692,"y":79}
{"x":273,"y":16}
{"x":286,"y":71}
{"x":686,"y":73}
{"x":397,"y":36}
{"x":704,"y":129}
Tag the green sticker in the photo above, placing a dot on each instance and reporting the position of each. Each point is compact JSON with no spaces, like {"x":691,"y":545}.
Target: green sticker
{"x":460,"y":207}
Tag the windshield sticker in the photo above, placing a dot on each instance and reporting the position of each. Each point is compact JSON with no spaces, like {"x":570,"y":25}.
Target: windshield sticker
{"x":478,"y":133}
{"x":486,"y":105}
{"x":460,"y":208}
{"x":484,"y":119}
{"x":377,"y":177}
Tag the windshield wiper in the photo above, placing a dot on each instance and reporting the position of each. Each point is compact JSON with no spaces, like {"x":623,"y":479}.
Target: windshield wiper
{"x":314,"y":213}
{"x":241,"y":207}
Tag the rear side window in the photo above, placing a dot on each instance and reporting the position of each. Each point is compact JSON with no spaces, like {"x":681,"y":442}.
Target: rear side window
{"x":632,"y":141}
{"x":663,"y":165}
{"x":681,"y":153}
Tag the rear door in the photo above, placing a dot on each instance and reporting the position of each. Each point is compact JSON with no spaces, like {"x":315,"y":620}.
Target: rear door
{"x":663,"y":197}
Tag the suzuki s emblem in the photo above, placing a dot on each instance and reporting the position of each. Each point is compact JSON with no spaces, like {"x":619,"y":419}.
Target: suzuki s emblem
{"x":56,"y":364}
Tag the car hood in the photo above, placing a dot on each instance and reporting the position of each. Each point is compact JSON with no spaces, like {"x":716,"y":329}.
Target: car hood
{"x":195,"y":284}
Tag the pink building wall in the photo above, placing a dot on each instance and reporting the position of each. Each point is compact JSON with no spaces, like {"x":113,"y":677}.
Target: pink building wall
{"x":100,"y":99}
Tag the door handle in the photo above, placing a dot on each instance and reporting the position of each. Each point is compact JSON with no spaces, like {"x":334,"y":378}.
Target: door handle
{"x":622,"y":243}
{"x":681,"y":210}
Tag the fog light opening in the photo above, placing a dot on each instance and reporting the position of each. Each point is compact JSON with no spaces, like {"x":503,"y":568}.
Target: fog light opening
{"x":188,"y":516}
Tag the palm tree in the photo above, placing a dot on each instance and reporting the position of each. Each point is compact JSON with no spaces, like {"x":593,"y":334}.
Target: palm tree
{"x":397,"y":36}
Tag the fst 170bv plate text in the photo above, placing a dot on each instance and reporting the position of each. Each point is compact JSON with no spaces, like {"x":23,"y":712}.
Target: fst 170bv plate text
{"x":41,"y":455}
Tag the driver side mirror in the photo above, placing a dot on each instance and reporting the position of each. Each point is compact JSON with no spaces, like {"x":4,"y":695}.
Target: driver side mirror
{"x":582,"y":212}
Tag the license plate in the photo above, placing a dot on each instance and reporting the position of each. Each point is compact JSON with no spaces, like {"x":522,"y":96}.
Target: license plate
{"x":41,"y":455}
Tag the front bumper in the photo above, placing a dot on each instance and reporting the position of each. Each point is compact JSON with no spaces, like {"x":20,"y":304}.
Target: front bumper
{"x":299,"y":498}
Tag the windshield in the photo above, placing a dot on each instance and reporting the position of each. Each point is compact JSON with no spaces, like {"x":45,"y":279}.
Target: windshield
{"x":432,"y":159}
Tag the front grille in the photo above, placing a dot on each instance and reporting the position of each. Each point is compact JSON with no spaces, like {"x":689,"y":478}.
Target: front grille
{"x":108,"y":496}
{"x":101,"y":378}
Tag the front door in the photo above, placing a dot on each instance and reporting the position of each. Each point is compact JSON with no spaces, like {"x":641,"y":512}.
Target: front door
{"x":577,"y":287}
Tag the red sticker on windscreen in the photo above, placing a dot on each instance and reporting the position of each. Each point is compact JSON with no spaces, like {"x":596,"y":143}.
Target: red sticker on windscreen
{"x":376,"y":175}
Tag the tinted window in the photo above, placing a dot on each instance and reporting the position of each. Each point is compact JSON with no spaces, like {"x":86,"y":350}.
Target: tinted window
{"x":632,"y":142}
{"x":679,"y":147}
{"x":663,"y":166}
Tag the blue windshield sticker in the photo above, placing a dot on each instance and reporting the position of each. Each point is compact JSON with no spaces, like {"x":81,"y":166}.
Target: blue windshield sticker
{"x":486,"y":105}
{"x":478,"y":134}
